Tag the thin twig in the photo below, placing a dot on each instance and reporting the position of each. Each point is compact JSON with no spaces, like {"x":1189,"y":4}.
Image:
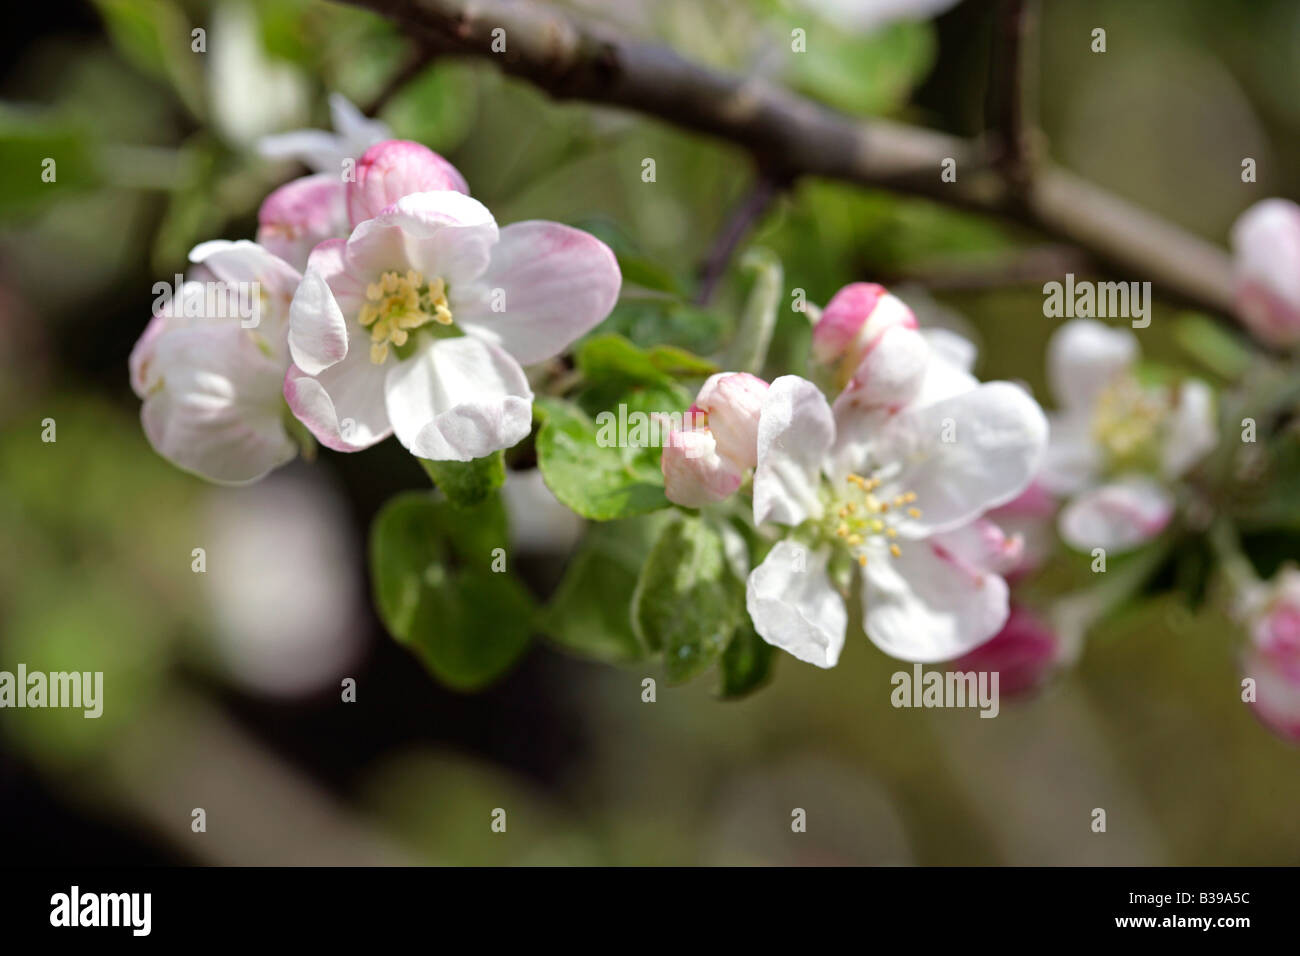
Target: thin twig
{"x":1012,"y":78}
{"x":785,"y":132}
{"x":742,"y":219}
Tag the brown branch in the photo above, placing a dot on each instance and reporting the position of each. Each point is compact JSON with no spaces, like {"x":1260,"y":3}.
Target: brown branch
{"x":1012,"y":77}
{"x":796,"y":136}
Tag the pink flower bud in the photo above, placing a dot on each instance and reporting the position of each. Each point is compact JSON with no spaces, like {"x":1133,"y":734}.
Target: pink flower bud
{"x":890,"y":370}
{"x":853,"y":321}
{"x":1024,"y":653}
{"x":732,"y":401}
{"x":395,"y":168}
{"x":694,"y":473}
{"x":300,"y":214}
{"x":1266,"y":270}
{"x":1273,"y":658}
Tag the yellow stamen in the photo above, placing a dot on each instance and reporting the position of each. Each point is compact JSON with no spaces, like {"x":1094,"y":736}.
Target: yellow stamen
{"x":397,"y":304}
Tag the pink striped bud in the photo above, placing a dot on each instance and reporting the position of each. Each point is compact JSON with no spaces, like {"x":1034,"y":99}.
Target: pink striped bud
{"x":395,"y":168}
{"x":732,"y":401}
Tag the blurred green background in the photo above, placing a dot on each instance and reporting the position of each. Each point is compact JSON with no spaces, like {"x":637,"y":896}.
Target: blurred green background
{"x":222,"y":688}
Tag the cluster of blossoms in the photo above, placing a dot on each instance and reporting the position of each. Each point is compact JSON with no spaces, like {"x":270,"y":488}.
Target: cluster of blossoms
{"x":891,"y":482}
{"x":387,"y":301}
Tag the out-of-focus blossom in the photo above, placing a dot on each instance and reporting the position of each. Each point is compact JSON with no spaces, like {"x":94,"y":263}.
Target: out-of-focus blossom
{"x":539,"y":523}
{"x":323,"y":151}
{"x":1030,"y":517}
{"x":1024,"y":653}
{"x":281,"y":578}
{"x":902,"y":503}
{"x":210,"y":365}
{"x":1266,"y":270}
{"x":251,"y":93}
{"x":1118,"y":446}
{"x":706,"y":460}
{"x":1273,"y":658}
{"x":418,"y":324}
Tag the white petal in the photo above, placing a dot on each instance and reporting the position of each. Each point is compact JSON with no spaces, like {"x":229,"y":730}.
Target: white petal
{"x":1118,"y":516}
{"x":930,"y":605}
{"x":955,"y":349}
{"x":793,"y":605}
{"x":318,"y":333}
{"x":439,"y":234}
{"x":963,"y":455}
{"x":458,"y":399}
{"x":1073,"y":457}
{"x":983,"y":545}
{"x":215,"y":408}
{"x":343,"y":406}
{"x":1192,"y":433}
{"x":550,"y":283}
{"x":1083,"y":357}
{"x":795,"y":434}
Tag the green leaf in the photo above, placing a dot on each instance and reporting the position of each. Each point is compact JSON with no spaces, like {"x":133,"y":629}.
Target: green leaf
{"x":746,"y":663}
{"x":432,"y":570}
{"x":27,"y":140}
{"x":436,"y":108}
{"x":654,"y":322}
{"x":612,"y":358}
{"x":586,"y":469}
{"x":637,"y":268}
{"x":467,"y":483}
{"x":590,"y":613}
{"x":749,"y":349}
{"x":1212,"y":345}
{"x":687,"y":602}
{"x":863,"y":73}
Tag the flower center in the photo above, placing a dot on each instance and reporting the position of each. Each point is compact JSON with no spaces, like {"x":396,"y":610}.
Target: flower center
{"x":1127,"y":422}
{"x":863,"y":520}
{"x":398,"y":304}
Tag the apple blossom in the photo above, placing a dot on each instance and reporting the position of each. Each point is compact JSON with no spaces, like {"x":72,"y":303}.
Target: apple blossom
{"x":325,"y":152}
{"x":1273,"y":657}
{"x":901,"y":502}
{"x":211,"y":379}
{"x":1118,"y":445}
{"x":707,"y":458}
{"x":301,"y":214}
{"x":418,"y":323}
{"x":1024,"y":653}
{"x":1266,"y":267}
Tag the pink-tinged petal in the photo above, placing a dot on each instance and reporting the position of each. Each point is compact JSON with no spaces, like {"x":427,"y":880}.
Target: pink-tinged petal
{"x":843,"y":319}
{"x":1118,"y":516}
{"x":1024,"y":654}
{"x":793,"y":605}
{"x":928,"y":605}
{"x":315,"y":148}
{"x":318,"y":333}
{"x":890,"y":372}
{"x":458,"y":399}
{"x":694,"y":473}
{"x":796,"y":432}
{"x":1266,"y":269}
{"x":215,"y":408}
{"x":1034,"y":502}
{"x":982,"y":545}
{"x":300,"y":214}
{"x":395,"y":168}
{"x":344,"y":406}
{"x":143,"y":371}
{"x":962,"y":456}
{"x":355,"y":131}
{"x":547,"y":285}
{"x":1083,"y":357}
{"x":1277,"y":695}
{"x":732,"y":401}
{"x":439,"y":234}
